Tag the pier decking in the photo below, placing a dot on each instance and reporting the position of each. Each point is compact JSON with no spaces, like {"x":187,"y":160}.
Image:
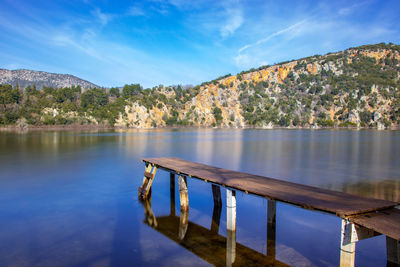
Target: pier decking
{"x":362,"y":217}
{"x":309,"y":197}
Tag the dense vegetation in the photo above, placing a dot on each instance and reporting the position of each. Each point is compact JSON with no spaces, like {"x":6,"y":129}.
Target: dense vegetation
{"x":349,"y":88}
{"x":72,"y":105}
{"x":304,"y":94}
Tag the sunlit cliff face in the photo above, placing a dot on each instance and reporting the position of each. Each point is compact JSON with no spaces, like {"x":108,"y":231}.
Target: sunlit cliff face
{"x":282,"y":82}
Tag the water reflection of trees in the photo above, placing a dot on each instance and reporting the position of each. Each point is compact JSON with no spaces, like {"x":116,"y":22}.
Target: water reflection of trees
{"x":388,"y":189}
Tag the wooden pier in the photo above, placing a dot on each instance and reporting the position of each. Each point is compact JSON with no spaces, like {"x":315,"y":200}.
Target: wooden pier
{"x":361,"y":217}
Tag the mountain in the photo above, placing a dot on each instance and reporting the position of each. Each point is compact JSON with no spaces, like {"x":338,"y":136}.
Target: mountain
{"x":25,"y":78}
{"x":357,"y":87}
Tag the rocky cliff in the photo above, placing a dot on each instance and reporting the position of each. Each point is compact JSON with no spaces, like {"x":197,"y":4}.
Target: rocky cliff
{"x":357,"y":87}
{"x":26,"y":78}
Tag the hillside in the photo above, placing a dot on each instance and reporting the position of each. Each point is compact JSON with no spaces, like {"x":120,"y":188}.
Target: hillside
{"x":26,"y":78}
{"x":355,"y":87}
{"x":358,"y":87}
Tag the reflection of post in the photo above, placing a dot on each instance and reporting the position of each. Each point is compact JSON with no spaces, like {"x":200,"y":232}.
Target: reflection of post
{"x":393,"y":251}
{"x":148,"y":212}
{"x":231,"y":227}
{"x":183,"y":224}
{"x":230,"y":247}
{"x":183,"y":193}
{"x":172,"y":193}
{"x":347,"y":244}
{"x":216,"y":217}
{"x":271,"y":228}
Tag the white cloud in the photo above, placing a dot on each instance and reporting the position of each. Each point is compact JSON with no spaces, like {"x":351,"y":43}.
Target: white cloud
{"x":350,"y":9}
{"x":135,"y":11}
{"x":103,"y":18}
{"x":242,"y":60}
{"x":233,"y":22}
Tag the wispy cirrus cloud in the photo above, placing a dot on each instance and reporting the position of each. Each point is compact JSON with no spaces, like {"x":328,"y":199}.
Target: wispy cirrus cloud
{"x":327,"y":28}
{"x":245,"y":58}
{"x":275,"y":34}
{"x":347,"y":10}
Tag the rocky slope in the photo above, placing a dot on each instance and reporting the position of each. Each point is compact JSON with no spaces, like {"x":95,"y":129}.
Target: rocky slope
{"x":357,"y":87}
{"x":25,"y":78}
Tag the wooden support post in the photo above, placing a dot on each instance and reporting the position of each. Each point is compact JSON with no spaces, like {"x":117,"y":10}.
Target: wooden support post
{"x":147,"y":169}
{"x":347,"y":244}
{"x":183,"y":193}
{"x":153,"y":173}
{"x":231,"y":210}
{"x":183,"y":224}
{"x":231,"y":226}
{"x":393,"y":251}
{"x":216,"y":217}
{"x":271,"y":228}
{"x":148,"y":177}
{"x":172,"y":193}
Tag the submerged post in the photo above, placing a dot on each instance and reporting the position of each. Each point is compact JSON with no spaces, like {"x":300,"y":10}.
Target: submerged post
{"x":216,"y":217}
{"x":271,"y":228}
{"x":393,"y":251}
{"x":231,"y":227}
{"x":172,"y":193}
{"x":347,"y":244}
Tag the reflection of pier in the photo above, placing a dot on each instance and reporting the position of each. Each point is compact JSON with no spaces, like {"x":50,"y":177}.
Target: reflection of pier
{"x":361,"y":217}
{"x":207,"y":243}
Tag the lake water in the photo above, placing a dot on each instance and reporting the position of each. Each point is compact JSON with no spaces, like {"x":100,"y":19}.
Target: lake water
{"x":70,"y":198}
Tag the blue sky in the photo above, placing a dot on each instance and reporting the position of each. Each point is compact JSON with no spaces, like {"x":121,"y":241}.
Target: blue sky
{"x":112,"y":43}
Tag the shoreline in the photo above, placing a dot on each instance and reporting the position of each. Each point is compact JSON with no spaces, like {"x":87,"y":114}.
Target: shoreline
{"x":53,"y":128}
{"x":71,"y":127}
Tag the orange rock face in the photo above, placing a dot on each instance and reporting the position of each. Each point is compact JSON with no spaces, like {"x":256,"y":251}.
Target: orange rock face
{"x":312,"y":68}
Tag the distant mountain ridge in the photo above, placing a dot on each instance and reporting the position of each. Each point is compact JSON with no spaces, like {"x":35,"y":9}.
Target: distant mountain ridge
{"x":24,"y":78}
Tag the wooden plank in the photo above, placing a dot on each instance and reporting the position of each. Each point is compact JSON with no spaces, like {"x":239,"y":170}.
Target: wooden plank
{"x":309,"y":197}
{"x":386,"y":222}
{"x":148,"y":175}
{"x":209,"y":246}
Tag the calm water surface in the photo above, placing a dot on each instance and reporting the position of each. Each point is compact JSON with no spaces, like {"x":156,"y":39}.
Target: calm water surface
{"x":70,"y":198}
